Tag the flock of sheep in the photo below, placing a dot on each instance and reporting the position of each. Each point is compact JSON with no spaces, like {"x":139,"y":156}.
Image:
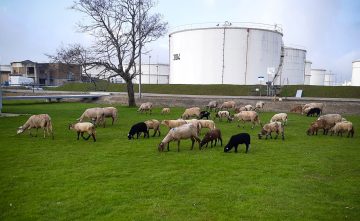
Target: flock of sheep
{"x":186,"y":128}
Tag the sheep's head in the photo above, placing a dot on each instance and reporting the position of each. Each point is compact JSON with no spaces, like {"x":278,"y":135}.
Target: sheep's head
{"x":227,"y":148}
{"x":20,"y":130}
{"x":161,"y":147}
{"x":71,"y":126}
{"x":129,"y":136}
{"x":262,"y":133}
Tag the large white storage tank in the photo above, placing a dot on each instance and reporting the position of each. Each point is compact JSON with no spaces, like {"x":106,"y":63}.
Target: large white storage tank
{"x":329,"y":79}
{"x":355,"y":79}
{"x":317,"y":77}
{"x":293,"y":71}
{"x":307,"y":72}
{"x":225,"y":54}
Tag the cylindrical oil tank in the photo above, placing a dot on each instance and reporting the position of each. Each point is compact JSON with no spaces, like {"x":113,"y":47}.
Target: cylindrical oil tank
{"x":293,"y":71}
{"x":317,"y":77}
{"x":224,"y":54}
{"x":307,"y":72}
{"x":329,"y":79}
{"x":153,"y":74}
{"x":355,"y":79}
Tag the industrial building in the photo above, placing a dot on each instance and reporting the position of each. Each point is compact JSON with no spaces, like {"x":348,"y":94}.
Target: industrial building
{"x":355,"y":79}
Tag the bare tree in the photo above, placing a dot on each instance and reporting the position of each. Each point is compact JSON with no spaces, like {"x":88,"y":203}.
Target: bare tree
{"x":119,"y":28}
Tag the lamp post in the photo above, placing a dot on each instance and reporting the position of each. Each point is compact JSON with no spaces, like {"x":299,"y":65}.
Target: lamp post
{"x":149,"y":67}
{"x":139,"y":29}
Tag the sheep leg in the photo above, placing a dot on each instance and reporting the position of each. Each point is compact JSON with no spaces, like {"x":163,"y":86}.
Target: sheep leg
{"x":277,"y":134}
{"x":178,"y":145}
{"x":85,"y":138}
{"x":78,"y":134}
{"x":44,"y":132}
{"x":236,"y":147}
{"x":168,"y":146}
{"x":113,"y":119}
{"x":220,"y":140}
{"x":282,"y":136}
{"x":192,"y":143}
{"x":93,"y":136}
{"x":137,"y":135}
{"x":247,"y":148}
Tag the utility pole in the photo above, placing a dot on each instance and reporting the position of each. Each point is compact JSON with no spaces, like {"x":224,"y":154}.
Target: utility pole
{"x":149,"y":67}
{"x":140,"y":44}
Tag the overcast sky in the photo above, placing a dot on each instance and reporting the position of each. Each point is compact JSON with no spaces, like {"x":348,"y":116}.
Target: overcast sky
{"x":328,"y":29}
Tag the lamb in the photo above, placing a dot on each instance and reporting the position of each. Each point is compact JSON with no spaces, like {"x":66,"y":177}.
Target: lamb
{"x":96,"y":114}
{"x":249,"y":107}
{"x":138,"y":129}
{"x":227,"y":105}
{"x":204,"y":114}
{"x":173,"y":123}
{"x":207,"y":124}
{"x":212,"y":105}
{"x":83,"y":127}
{"x":222,"y":114}
{"x":191,"y":112}
{"x":235,"y":140}
{"x":145,"y":107}
{"x":296,"y":109}
{"x":282,"y":117}
{"x":308,"y":106}
{"x":314,"y":111}
{"x":343,"y":126}
{"x":320,"y":124}
{"x":212,"y":135}
{"x":272,"y":127}
{"x":38,"y":121}
{"x":111,"y":112}
{"x":259,"y":105}
{"x":153,"y":124}
{"x":251,"y":116}
{"x":165,"y":110}
{"x":182,"y":132}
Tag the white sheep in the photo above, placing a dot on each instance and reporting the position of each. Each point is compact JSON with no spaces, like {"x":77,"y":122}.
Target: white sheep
{"x":307,"y":107}
{"x":212,"y":105}
{"x":331,"y":118}
{"x":83,"y":127}
{"x":207,"y":124}
{"x":191,"y":112}
{"x":96,"y":114}
{"x":173,"y":123}
{"x":251,"y":116}
{"x":196,"y":123}
{"x":186,"y":131}
{"x":165,"y":110}
{"x":111,"y":112}
{"x":153,"y":124}
{"x":222,"y":114}
{"x":272,"y":127}
{"x":282,"y":117}
{"x":38,"y":121}
{"x":341,"y":127}
{"x":249,"y":107}
{"x":227,"y":105}
{"x":145,"y":107}
{"x":259,"y":105}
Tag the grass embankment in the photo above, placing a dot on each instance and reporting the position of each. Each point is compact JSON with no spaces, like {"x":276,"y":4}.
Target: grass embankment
{"x":229,"y":90}
{"x":301,"y":178}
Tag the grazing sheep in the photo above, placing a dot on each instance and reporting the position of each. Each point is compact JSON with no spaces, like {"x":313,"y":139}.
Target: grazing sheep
{"x":259,"y":105}
{"x":235,"y":140}
{"x":249,"y":107}
{"x":165,"y":110}
{"x":145,"y":107}
{"x":296,"y":109}
{"x":251,"y":116}
{"x":196,"y":123}
{"x":272,"y":127}
{"x":191,"y":112}
{"x":331,"y":118}
{"x":314,"y":111}
{"x":111,"y":112}
{"x":207,"y":124}
{"x":212,"y":135}
{"x":182,"y":132}
{"x":227,"y":105}
{"x":173,"y":123}
{"x":96,"y":114}
{"x":239,"y":109}
{"x":38,"y":121}
{"x":212,"y":105}
{"x":307,"y":107}
{"x":204,"y":114}
{"x":222,"y":114}
{"x":282,"y":117}
{"x":83,"y":127}
{"x":320,"y":124}
{"x":138,"y":129}
{"x":153,"y":124}
{"x":341,"y":127}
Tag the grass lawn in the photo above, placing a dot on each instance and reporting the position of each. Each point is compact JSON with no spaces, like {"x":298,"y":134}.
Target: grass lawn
{"x":301,"y":178}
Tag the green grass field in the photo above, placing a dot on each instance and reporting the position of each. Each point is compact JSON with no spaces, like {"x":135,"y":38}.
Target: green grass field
{"x":301,"y":178}
{"x":221,"y":89}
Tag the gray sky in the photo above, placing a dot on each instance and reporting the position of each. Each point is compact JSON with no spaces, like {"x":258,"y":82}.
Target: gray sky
{"x":328,"y":29}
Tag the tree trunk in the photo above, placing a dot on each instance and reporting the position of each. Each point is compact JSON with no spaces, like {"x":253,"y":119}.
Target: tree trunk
{"x":131,"y":96}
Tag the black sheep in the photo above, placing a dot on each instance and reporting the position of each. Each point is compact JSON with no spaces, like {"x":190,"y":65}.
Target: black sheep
{"x":235,"y":140}
{"x":138,"y":129}
{"x":204,"y":114}
{"x":314,"y":111}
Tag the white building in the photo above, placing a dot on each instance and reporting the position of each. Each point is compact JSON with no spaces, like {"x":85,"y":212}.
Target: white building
{"x":355,"y":79}
{"x":293,"y":71}
{"x":317,"y":77}
{"x":307,"y":72}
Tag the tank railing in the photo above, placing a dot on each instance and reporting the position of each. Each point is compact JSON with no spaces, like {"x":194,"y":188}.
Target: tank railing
{"x":275,"y":27}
